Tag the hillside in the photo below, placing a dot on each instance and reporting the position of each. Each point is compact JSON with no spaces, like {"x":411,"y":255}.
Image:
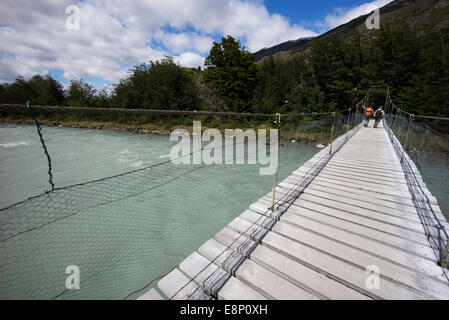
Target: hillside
{"x":420,"y":15}
{"x":285,"y":46}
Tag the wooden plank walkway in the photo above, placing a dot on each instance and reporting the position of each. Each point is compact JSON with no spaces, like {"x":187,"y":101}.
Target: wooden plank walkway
{"x":340,"y":220}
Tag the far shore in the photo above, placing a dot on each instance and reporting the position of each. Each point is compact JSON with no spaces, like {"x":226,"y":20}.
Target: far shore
{"x":307,"y":138}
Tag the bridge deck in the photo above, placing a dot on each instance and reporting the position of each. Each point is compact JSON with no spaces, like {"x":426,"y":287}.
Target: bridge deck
{"x":357,"y":217}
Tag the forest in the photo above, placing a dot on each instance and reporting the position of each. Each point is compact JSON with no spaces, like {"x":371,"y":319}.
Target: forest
{"x":324,"y":76}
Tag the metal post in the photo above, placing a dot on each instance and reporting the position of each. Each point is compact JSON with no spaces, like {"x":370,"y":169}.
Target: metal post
{"x":406,"y":138}
{"x":392,"y":110}
{"x":356,"y":114}
{"x":278,"y":121}
{"x":393,"y":121}
{"x":332,"y":132}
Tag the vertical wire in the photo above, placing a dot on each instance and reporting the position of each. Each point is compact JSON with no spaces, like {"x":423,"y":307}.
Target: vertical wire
{"x":39,"y":132}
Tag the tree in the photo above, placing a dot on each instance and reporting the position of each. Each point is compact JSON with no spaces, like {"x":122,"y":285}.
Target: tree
{"x":231,"y":71}
{"x":161,"y":84}
{"x":47,"y":91}
{"x":102,"y":99}
{"x":80,"y":94}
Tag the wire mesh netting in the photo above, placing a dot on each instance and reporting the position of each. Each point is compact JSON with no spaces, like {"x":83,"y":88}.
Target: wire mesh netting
{"x":429,"y":150}
{"x":125,"y":230}
{"x":321,"y":128}
{"x":424,"y":155}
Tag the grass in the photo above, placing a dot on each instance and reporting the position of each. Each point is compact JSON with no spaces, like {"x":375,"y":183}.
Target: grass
{"x":165,"y":124}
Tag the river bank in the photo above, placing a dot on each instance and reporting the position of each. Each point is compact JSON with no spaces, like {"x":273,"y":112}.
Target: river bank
{"x":310,"y":138}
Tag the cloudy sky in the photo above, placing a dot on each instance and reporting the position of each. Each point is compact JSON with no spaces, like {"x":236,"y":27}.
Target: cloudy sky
{"x":41,"y":36}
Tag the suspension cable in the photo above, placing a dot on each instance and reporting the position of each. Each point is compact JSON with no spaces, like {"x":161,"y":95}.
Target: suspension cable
{"x":44,"y":146}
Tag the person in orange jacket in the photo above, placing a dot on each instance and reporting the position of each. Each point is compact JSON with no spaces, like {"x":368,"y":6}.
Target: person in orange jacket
{"x":368,"y":113}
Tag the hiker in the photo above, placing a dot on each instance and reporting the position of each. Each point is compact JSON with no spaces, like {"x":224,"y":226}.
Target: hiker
{"x":378,"y":115}
{"x":368,"y":113}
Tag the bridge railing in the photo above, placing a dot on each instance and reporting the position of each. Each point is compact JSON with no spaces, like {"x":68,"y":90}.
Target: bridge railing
{"x":424,"y":155}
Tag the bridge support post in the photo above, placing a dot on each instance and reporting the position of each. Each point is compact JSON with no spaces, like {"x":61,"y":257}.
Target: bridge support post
{"x":278,"y":122}
{"x":332,"y":133}
{"x":349,"y":120}
{"x":406,"y":137}
{"x":356,"y":115}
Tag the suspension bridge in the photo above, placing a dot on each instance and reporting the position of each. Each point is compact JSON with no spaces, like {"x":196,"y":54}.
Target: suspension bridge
{"x":354,"y":222}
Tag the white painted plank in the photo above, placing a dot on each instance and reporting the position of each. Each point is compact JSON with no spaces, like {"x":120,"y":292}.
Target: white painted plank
{"x":418,"y":281}
{"x":379,"y":205}
{"x":397,"y":217}
{"x":208,"y":274}
{"x":388,"y":253}
{"x":176,"y":286}
{"x":290,"y":269}
{"x":254,"y":275}
{"x":335,"y":268}
{"x":422,"y":250}
{"x":151,"y":295}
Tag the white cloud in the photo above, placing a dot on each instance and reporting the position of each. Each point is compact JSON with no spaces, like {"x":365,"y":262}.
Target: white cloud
{"x":184,"y":41}
{"x":115,"y":35}
{"x":343,"y":15}
{"x":191,"y":60}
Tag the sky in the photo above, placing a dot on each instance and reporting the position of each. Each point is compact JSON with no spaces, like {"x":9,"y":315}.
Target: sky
{"x":100,"y":40}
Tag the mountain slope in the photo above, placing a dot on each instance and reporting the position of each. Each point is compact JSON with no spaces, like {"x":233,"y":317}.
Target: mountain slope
{"x":419,"y":14}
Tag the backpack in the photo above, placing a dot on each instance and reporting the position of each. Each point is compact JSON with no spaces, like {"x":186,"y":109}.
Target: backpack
{"x":379,"y":114}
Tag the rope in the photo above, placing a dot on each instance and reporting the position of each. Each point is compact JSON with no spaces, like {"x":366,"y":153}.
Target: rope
{"x":332,"y":132}
{"x":139,"y":290}
{"x":55,"y":109}
{"x":39,"y":129}
{"x":406,"y":138}
{"x":417,"y":116}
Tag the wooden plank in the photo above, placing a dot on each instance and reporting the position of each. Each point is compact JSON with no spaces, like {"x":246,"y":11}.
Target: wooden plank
{"x":176,"y":286}
{"x":366,"y":187}
{"x":214,"y":279}
{"x":389,"y":206}
{"x":405,"y":259}
{"x":413,"y":234}
{"x":365,"y":175}
{"x":373,"y":186}
{"x":261,"y":279}
{"x":333,"y":267}
{"x":351,"y":191}
{"x":412,"y":279}
{"x":151,"y":295}
{"x":359,"y":225}
{"x":399,"y":216}
{"x":291,"y":270}
{"x":421,"y":250}
{"x":361,"y":167}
